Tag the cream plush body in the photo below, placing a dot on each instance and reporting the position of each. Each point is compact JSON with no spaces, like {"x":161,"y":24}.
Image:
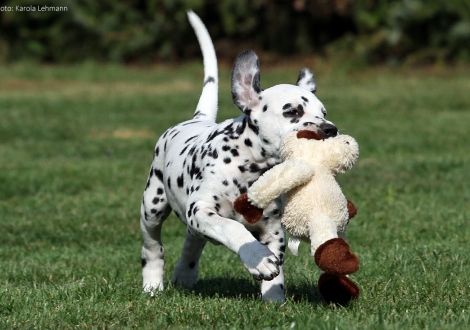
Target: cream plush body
{"x":315,"y":210}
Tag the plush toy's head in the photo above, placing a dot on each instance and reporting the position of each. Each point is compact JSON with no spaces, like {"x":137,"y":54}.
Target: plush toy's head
{"x":338,"y":153}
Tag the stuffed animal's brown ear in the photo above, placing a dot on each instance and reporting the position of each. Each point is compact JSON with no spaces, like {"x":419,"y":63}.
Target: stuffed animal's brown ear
{"x":251,"y":213}
{"x":310,"y":135}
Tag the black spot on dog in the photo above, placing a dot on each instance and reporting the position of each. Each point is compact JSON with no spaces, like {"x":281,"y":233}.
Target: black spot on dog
{"x":226,"y":148}
{"x":305,"y":99}
{"x":144,"y":262}
{"x":241,"y":128}
{"x":190,"y":210}
{"x":234,"y":152}
{"x":253,"y":127}
{"x":225,"y":183}
{"x":169,"y":183}
{"x":159,"y":174}
{"x":287,"y":106}
{"x":215,"y":198}
{"x":248,"y":143}
{"x":173,"y":136}
{"x":193,"y":137}
{"x":265,"y":108}
{"x":209,"y":79}
{"x":180,"y":181}
{"x":213,"y":135}
{"x":157,"y":151}
{"x":215,"y":154}
{"x":241,"y":168}
{"x":254,"y":167}
{"x":227,"y":160}
{"x":156,"y":200}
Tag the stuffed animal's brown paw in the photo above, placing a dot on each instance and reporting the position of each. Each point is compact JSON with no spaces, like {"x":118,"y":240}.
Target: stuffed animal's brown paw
{"x":352,"y":210}
{"x":334,"y":257}
{"x":251,"y":213}
{"x":338,"y":290}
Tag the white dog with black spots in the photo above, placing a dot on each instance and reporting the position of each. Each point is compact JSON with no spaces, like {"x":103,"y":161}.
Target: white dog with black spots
{"x":200,"y":168}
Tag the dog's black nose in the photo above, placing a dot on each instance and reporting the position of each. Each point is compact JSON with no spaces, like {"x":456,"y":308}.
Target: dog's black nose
{"x":328,"y":130}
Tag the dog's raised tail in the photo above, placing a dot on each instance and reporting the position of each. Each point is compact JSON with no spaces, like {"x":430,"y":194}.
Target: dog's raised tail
{"x":207,"y":106}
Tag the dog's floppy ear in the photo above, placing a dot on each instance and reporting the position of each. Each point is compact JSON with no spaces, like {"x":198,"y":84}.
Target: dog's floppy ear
{"x":246,"y":81}
{"x":306,"y":80}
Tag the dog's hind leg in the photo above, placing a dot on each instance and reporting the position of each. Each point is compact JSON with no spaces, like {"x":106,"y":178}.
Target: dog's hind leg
{"x":187,"y":269}
{"x":154,"y":210}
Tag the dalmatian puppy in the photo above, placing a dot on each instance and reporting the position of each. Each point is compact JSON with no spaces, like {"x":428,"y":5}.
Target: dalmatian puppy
{"x":200,"y":167}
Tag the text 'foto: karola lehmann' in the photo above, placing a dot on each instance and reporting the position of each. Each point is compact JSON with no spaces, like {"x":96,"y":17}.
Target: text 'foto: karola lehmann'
{"x":41,"y":8}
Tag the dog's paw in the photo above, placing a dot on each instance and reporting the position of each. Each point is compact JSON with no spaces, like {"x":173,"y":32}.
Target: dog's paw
{"x":152,"y":287}
{"x":334,"y":257}
{"x":185,"y":275}
{"x":274,"y":294}
{"x":260,"y":261}
{"x":338,"y":290}
{"x":251,"y":213}
{"x":152,"y":279}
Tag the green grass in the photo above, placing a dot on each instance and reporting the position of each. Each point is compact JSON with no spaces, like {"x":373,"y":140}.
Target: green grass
{"x":75,"y":147}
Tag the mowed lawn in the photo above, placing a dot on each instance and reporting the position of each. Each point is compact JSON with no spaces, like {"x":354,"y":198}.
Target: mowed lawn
{"x":76,"y":143}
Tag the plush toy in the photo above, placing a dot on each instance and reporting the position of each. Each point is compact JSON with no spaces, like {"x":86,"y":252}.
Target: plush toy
{"x":315,"y":209}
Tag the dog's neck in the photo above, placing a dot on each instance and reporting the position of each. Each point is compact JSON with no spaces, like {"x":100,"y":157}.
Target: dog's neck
{"x":262,"y":150}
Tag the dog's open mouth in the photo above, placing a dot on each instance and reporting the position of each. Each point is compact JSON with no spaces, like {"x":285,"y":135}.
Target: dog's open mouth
{"x":321,"y":132}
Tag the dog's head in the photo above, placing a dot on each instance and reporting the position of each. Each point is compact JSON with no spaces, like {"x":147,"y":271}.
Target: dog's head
{"x":280,"y":109}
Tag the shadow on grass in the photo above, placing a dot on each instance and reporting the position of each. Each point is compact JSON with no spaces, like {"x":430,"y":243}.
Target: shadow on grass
{"x":247,"y":289}
{"x":227,"y":287}
{"x":304,"y":291}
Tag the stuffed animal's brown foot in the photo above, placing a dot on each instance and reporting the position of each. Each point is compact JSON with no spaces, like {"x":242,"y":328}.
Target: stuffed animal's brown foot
{"x":338,"y":290}
{"x":334,"y":257}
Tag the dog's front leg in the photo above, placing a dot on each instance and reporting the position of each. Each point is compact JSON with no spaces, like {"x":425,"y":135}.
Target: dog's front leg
{"x":203,"y":219}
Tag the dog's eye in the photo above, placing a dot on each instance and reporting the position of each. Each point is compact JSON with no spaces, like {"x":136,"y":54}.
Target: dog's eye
{"x":291,"y":113}
{"x":323,"y":110}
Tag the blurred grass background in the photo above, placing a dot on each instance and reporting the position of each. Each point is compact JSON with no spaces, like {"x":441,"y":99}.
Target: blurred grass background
{"x":85,"y":94}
